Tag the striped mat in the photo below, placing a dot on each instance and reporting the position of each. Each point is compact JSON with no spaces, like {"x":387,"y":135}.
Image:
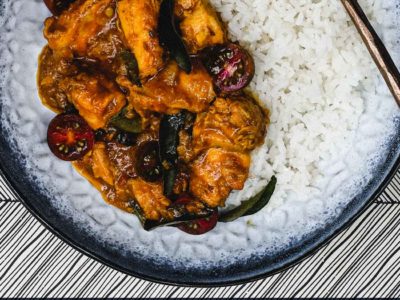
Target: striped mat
{"x":363,"y":261}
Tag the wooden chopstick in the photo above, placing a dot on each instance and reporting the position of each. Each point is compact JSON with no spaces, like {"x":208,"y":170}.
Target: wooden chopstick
{"x":376,"y":47}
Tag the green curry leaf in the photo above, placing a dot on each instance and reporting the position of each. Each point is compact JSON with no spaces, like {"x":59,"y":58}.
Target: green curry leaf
{"x":251,"y":206}
{"x":131,"y":66}
{"x":132,"y":125}
{"x":169,"y":141}
{"x":170,"y":37}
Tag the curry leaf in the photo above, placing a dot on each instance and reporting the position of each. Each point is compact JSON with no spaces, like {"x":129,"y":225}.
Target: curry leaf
{"x":179,"y":213}
{"x":131,"y":66}
{"x":169,"y":178}
{"x":169,"y":140}
{"x":132,"y":125}
{"x":251,"y":206}
{"x":170,"y":37}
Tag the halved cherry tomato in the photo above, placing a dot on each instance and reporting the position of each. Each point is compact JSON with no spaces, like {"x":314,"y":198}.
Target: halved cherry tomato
{"x":200,"y":226}
{"x":231,"y":66}
{"x":148,"y":164}
{"x":69,"y":137}
{"x":57,"y":6}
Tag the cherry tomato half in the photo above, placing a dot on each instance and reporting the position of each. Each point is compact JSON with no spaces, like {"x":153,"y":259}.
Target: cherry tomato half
{"x":69,"y":137}
{"x":200,"y":226}
{"x":231,"y":66}
{"x":148,"y":164}
{"x":57,"y":6}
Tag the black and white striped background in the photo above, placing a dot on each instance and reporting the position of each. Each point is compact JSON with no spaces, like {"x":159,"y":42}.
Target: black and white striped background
{"x":363,"y":261}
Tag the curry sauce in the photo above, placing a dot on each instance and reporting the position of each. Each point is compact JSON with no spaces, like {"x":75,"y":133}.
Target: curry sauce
{"x":160,"y":134}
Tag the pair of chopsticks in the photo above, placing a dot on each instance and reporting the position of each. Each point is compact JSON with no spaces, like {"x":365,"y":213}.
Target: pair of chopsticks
{"x":376,"y":47}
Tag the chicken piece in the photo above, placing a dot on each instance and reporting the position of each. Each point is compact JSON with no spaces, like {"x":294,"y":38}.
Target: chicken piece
{"x":216,"y":173}
{"x":99,"y":169}
{"x":96,"y":98}
{"x":183,"y":8}
{"x":154,"y":209}
{"x":101,"y":164}
{"x":89,"y":34}
{"x":123,"y":158}
{"x":150,"y":198}
{"x":172,"y":90}
{"x":236,"y":124}
{"x":52,"y":71}
{"x":84,"y":167}
{"x":72,"y":32}
{"x":139,"y":22}
{"x":200,"y":24}
{"x":185,"y":147}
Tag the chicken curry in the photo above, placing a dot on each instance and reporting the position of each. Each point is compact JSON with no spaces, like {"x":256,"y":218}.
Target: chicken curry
{"x":151,"y":105}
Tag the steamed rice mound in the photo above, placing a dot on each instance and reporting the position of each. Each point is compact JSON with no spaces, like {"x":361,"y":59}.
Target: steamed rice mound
{"x":312,"y":72}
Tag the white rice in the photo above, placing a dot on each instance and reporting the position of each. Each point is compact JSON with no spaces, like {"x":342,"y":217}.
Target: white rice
{"x":314,"y":73}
